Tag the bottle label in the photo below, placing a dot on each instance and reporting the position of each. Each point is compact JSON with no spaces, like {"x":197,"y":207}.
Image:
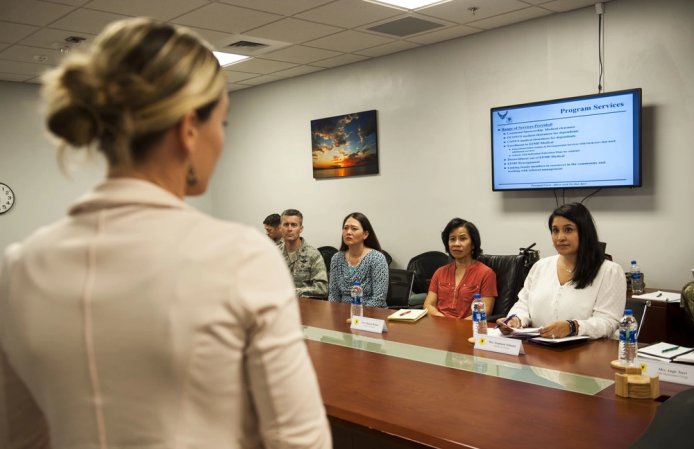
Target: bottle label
{"x":479,"y":316}
{"x":636,"y":276}
{"x":627,"y":336}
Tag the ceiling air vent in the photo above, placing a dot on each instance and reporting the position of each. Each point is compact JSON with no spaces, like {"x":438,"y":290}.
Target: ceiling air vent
{"x":249,"y":45}
{"x":243,"y":44}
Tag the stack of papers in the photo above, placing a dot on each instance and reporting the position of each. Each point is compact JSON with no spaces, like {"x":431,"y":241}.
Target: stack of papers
{"x":667,"y":352}
{"x":660,"y":296}
{"x":409,"y":315}
{"x":559,"y":341}
{"x":525,"y":332}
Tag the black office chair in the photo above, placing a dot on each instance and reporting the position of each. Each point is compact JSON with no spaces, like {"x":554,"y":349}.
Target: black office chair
{"x":510,"y":275}
{"x":327,"y":252}
{"x":671,"y":425}
{"x":399,"y":288}
{"x":424,"y":265}
{"x":389,"y":259}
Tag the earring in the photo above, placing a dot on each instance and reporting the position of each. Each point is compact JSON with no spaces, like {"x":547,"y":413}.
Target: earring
{"x":191,"y":177}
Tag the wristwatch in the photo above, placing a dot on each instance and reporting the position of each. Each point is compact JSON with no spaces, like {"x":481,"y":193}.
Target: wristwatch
{"x":6,"y":198}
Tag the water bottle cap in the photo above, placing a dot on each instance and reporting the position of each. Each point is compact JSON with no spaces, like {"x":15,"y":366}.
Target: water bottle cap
{"x":628,"y":312}
{"x":477,"y":296}
{"x":633,"y":262}
{"x":356,"y":283}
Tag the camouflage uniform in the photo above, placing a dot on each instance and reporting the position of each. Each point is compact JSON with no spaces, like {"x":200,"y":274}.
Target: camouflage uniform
{"x":308,"y":270}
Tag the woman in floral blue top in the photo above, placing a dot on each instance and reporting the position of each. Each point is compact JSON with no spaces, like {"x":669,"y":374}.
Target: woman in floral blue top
{"x":359,"y":260}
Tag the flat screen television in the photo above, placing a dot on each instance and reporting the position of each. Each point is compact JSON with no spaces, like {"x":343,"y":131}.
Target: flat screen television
{"x":589,"y":141}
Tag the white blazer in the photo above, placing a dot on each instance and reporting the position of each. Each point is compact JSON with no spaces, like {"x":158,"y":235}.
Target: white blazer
{"x":139,"y":322}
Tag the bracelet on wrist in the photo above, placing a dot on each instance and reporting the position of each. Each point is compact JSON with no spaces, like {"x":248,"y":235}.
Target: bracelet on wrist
{"x":572,"y":328}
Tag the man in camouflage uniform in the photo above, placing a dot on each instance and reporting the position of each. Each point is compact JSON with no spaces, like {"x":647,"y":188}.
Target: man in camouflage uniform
{"x":304,"y":261}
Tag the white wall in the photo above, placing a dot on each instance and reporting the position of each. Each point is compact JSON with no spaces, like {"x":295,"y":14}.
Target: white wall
{"x":433,"y":123}
{"x":28,"y":164}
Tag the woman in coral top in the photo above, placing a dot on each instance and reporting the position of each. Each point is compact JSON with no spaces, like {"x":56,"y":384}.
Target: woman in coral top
{"x":453,"y":285}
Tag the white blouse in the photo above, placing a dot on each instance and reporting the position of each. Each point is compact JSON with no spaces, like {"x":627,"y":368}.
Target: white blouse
{"x":597,"y":307}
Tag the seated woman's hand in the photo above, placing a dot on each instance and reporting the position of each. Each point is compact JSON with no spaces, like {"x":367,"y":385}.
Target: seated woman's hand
{"x":507,"y":327}
{"x":434,"y":311}
{"x":556,"y":329}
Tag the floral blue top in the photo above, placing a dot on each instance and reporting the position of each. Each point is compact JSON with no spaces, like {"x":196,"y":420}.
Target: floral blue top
{"x":372,"y":273}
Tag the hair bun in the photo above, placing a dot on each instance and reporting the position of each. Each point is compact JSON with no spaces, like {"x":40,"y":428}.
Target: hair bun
{"x":77,"y":124}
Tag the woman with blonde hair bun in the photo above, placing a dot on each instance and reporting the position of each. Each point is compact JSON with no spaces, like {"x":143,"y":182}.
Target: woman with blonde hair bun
{"x":136,"y":320}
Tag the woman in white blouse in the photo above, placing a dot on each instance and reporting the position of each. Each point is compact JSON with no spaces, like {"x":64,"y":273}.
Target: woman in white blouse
{"x":576,"y":292}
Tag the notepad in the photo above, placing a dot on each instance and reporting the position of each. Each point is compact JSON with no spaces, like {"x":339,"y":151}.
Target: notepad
{"x":408,"y":315}
{"x":663,"y":350}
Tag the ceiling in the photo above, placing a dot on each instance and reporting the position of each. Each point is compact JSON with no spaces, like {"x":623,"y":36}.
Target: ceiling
{"x":285,"y":38}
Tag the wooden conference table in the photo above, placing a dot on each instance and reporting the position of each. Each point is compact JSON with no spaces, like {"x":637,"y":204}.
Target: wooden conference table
{"x":422,"y":384}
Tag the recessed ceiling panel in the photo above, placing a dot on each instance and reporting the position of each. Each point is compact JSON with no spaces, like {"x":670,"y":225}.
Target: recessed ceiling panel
{"x":406,"y":26}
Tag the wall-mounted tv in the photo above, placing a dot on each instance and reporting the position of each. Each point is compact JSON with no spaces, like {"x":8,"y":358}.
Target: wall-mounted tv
{"x":569,"y":143}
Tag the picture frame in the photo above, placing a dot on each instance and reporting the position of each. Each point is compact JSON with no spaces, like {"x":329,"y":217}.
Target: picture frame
{"x":345,"y":145}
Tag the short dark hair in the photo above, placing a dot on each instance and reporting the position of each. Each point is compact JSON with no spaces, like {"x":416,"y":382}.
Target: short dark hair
{"x":272,"y":220}
{"x":471,"y":229}
{"x":371,"y":241}
{"x":293,"y":213}
{"x":590,"y":255}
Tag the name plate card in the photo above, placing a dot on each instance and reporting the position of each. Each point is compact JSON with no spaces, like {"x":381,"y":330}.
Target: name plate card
{"x":667,"y":372}
{"x":369,"y":325}
{"x":502,"y":345}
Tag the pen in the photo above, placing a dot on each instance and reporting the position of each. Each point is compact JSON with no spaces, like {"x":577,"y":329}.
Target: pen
{"x":405,"y":313}
{"x":670,"y":349}
{"x":659,"y":295}
{"x":509,"y":318}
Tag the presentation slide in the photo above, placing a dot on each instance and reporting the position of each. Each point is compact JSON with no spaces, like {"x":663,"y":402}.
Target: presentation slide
{"x":570,"y":143}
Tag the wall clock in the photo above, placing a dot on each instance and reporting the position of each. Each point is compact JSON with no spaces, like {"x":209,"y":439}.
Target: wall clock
{"x":6,"y":198}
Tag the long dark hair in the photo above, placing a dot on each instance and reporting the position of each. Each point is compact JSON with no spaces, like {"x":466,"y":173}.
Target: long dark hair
{"x":471,"y":229}
{"x":371,"y":241}
{"x":590,"y":256}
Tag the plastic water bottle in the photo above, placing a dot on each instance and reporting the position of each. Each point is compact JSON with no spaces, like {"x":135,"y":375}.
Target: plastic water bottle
{"x":628,"y":328}
{"x":479,"y":316}
{"x":636,"y":279}
{"x":357,"y":293}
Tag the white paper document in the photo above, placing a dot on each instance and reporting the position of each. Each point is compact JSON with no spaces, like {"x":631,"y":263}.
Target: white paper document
{"x":524,"y":332}
{"x":660,"y":296}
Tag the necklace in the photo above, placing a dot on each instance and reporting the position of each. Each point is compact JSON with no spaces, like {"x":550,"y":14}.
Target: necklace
{"x":352,"y":261}
{"x":566,"y":269}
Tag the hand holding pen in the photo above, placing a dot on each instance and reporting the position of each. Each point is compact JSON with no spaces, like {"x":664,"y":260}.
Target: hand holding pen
{"x":506,"y":325}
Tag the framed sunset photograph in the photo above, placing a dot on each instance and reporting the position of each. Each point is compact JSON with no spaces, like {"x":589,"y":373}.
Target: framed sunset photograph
{"x":345,"y":145}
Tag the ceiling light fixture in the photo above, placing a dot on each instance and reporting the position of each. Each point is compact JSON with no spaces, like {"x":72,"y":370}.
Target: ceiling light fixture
{"x":409,"y":5}
{"x":226,"y":59}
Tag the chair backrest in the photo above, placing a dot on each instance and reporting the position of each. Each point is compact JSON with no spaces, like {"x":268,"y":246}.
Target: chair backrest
{"x":399,"y":288}
{"x":671,"y":425}
{"x":510,"y":276}
{"x":327,"y":252}
{"x":424,"y":265}
{"x":388,"y":257}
